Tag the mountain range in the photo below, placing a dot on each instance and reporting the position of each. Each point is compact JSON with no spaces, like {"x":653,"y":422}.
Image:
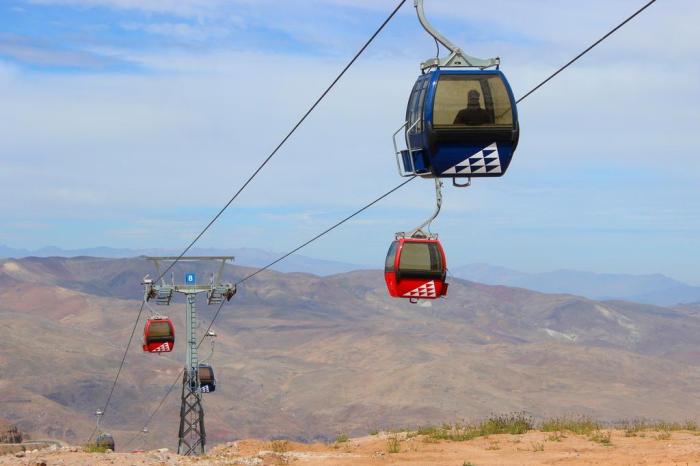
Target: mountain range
{"x":251,"y":257}
{"x":649,"y":289}
{"x":308,"y":357}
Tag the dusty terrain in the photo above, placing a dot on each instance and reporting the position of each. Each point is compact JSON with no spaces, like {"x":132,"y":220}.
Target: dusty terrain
{"x":306,"y":357}
{"x":533,"y":448}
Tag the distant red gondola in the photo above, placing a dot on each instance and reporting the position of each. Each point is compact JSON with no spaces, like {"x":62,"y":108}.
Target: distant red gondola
{"x":158,"y":335}
{"x":416,"y":268}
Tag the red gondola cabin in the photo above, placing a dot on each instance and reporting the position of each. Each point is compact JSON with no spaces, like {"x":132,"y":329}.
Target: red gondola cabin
{"x":416,"y":269}
{"x":158,"y":335}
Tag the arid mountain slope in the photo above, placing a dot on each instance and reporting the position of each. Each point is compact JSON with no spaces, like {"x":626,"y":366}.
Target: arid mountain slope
{"x":305,"y":357}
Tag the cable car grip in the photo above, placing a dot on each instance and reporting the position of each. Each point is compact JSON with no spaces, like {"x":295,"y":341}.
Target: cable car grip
{"x":457,"y":57}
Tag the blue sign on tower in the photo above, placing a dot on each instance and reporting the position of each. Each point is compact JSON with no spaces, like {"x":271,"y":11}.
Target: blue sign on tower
{"x":190,"y":278}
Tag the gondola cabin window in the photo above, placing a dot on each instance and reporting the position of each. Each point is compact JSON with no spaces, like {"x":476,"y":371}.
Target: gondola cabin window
{"x":420,"y":257}
{"x":415,"y":106}
{"x":391,"y":257}
{"x":159,"y":330}
{"x":205,"y":374}
{"x":471,"y":100}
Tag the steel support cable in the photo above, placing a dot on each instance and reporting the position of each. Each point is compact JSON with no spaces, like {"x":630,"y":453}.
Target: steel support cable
{"x":286,"y":138}
{"x":259,"y":169}
{"x":121,"y":366}
{"x":323,"y":233}
{"x":178,"y":379}
{"x":549,"y":78}
{"x":570,"y":62}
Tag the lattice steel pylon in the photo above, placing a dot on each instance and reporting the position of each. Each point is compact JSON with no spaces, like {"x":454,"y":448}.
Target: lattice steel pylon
{"x":191,"y":435}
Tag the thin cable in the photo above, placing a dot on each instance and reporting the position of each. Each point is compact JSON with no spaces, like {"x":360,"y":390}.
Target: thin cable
{"x":405,"y":182}
{"x":121,"y":366}
{"x":286,"y":138}
{"x":323,"y":233}
{"x":326,"y":231}
{"x":210,"y":324}
{"x":162,"y":400}
{"x":611,"y":32}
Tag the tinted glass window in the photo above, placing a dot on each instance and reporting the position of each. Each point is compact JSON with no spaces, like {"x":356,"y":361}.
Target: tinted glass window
{"x":390,"y":257}
{"x":472,"y":100}
{"x":420,"y":257}
{"x":420,"y":102}
{"x":413,"y":104}
{"x":159,"y":330}
{"x":205,"y":374}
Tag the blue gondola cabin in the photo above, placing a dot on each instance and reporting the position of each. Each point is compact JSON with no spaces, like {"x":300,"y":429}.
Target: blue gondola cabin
{"x":460,"y":123}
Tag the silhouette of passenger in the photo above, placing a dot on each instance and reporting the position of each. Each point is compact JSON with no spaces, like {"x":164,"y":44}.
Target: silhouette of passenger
{"x":473,"y":114}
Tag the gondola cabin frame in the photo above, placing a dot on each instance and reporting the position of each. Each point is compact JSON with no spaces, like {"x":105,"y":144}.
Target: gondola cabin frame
{"x":207,"y":378}
{"x":448,"y":137}
{"x":158,"y":335}
{"x":416,"y":268}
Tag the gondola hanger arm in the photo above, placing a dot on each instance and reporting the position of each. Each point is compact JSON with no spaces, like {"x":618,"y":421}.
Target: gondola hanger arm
{"x":457,"y":57}
{"x":418,"y":231}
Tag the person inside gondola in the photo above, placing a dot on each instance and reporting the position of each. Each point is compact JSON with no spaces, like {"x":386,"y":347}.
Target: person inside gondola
{"x":473,"y":114}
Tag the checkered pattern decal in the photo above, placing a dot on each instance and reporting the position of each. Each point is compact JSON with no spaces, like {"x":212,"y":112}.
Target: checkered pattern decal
{"x":426,"y":290}
{"x":164,"y":347}
{"x":484,"y":161}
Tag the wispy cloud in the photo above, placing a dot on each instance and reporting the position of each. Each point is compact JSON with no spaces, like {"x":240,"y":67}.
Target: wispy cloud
{"x":36,"y":52}
{"x":184,"y":8}
{"x":180,"y":31}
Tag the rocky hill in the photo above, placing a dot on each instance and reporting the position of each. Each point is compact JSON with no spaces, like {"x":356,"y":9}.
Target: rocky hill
{"x":306,"y":357}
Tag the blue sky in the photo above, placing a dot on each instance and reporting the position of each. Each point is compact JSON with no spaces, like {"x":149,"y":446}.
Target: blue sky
{"x":128,"y":123}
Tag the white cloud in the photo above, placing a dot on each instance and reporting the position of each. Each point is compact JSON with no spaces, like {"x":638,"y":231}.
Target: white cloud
{"x":35,"y":52}
{"x":181,"y":31}
{"x":185,"y":8}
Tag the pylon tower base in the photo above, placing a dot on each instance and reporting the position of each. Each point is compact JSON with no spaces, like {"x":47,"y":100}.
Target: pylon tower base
{"x":192,"y":436}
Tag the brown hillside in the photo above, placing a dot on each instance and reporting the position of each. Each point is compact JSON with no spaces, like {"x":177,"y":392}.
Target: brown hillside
{"x":305,"y":357}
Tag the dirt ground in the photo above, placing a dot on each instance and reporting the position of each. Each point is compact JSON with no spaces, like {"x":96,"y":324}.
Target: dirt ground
{"x":533,"y":448}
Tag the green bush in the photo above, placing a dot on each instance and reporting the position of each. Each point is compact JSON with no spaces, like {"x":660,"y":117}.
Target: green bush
{"x":94,"y":448}
{"x":582,"y":425}
{"x":601,"y":437}
{"x":514,"y":423}
{"x":393,"y":445}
